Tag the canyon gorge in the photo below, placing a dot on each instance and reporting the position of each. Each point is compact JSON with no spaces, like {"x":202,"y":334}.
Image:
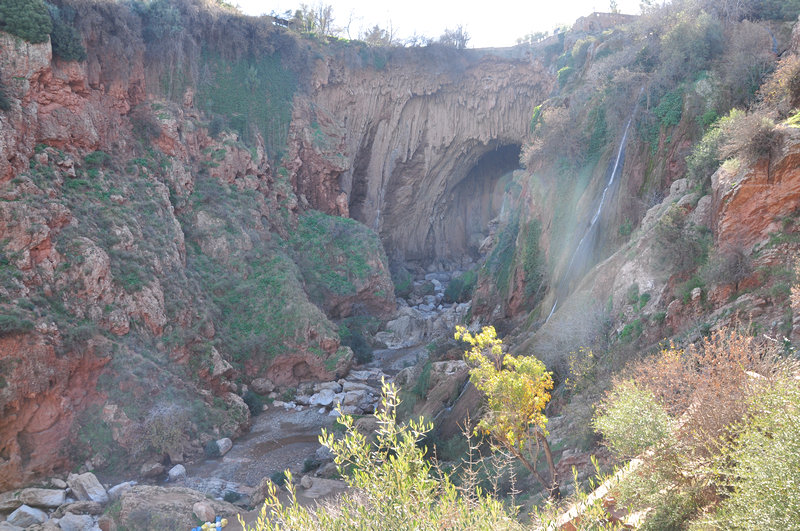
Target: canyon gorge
{"x":208,"y":225}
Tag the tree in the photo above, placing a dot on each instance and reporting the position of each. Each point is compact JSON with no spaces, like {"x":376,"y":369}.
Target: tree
{"x":27,"y":19}
{"x":516,"y":389}
{"x":457,"y":38}
{"x":393,"y":485}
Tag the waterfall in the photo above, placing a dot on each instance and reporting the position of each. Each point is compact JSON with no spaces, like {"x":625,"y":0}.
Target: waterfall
{"x":616,"y":169}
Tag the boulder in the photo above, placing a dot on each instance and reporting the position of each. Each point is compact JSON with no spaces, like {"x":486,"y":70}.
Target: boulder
{"x":76,"y":522}
{"x":86,"y":487}
{"x":224,"y":445}
{"x":177,"y":473}
{"x":306,"y":481}
{"x":24,"y":516}
{"x":42,"y":497}
{"x":117,"y":490}
{"x":333,"y":386}
{"x":5,"y":526}
{"x":81,"y":507}
{"x":58,"y":483}
{"x":204,"y":511}
{"x":262,"y":386}
{"x":150,"y":470}
{"x":161,"y":508}
{"x":321,"y":487}
{"x":324,"y":397}
{"x":9,"y":501}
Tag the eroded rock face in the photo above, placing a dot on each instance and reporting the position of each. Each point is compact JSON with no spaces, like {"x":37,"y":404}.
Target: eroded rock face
{"x":397,"y":142}
{"x":750,"y":204}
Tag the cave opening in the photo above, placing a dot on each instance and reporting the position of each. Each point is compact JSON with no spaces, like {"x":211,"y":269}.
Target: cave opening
{"x":472,"y":203}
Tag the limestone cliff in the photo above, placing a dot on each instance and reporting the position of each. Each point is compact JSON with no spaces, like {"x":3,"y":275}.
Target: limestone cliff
{"x":396,"y":147}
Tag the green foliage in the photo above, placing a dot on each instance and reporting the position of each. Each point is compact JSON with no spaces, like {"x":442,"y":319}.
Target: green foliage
{"x":631,"y":331}
{"x":27,"y":19}
{"x":333,"y":253}
{"x":211,"y":449}
{"x":255,"y":402}
{"x":403,"y":281}
{"x":626,"y":228}
{"x":14,"y":323}
{"x":392,"y":485}
{"x":97,"y":159}
{"x":536,"y":118}
{"x":532,"y":258}
{"x":690,"y":43}
{"x":631,"y":420}
{"x":165,"y":428}
{"x":254,"y":95}
{"x":65,"y":39}
{"x":763,"y":466}
{"x":351,"y":334}
{"x":681,"y":245}
{"x":500,"y":263}
{"x":5,"y":103}
{"x":670,"y":108}
{"x":564,"y":74}
{"x":460,"y":289}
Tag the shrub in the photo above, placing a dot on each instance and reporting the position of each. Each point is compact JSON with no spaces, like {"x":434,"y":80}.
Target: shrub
{"x":5,"y":103}
{"x":211,"y":449}
{"x":279,"y":478}
{"x":14,"y":324}
{"x":680,"y":245}
{"x":762,"y":468}
{"x":460,"y":289}
{"x":164,"y":429}
{"x":353,"y":336}
{"x":403,"y":281}
{"x":27,"y":19}
{"x":254,"y":401}
{"x":564,"y":74}
{"x":631,"y":420}
{"x":751,"y":137}
{"x":65,"y":39}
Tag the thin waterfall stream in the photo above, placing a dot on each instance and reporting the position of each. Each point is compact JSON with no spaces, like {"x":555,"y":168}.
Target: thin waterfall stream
{"x":617,"y":168}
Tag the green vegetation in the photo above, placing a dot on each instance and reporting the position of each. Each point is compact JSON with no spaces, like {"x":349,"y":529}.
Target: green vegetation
{"x":27,"y":19}
{"x":460,"y":289}
{"x":715,"y":428}
{"x":333,"y":254}
{"x":632,"y":421}
{"x":65,"y":39}
{"x":500,"y":263}
{"x":394,"y":482}
{"x":253,"y":95}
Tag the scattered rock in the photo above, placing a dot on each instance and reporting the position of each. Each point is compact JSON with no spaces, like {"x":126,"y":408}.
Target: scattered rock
{"x":76,"y":522}
{"x":9,"y":501}
{"x":324,"y":487}
{"x":324,"y":397}
{"x":106,"y":523}
{"x":262,"y":386}
{"x":86,"y":487}
{"x":166,"y":508}
{"x":328,"y":470}
{"x":204,"y":511}
{"x":5,"y":526}
{"x":81,"y":507}
{"x":224,"y":445}
{"x":58,"y":483}
{"x":177,"y":473}
{"x":25,"y":516}
{"x":150,"y":470}
{"x":306,"y":481}
{"x":116,"y":491}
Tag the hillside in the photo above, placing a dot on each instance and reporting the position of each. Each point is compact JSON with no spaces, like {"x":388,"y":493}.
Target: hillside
{"x":203,"y":212}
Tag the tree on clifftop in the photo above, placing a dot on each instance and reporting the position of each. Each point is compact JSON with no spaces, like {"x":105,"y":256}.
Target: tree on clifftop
{"x":28,"y":19}
{"x":516,"y":389}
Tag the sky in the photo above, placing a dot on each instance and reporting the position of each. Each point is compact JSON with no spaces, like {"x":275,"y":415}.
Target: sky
{"x":488,"y":23}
